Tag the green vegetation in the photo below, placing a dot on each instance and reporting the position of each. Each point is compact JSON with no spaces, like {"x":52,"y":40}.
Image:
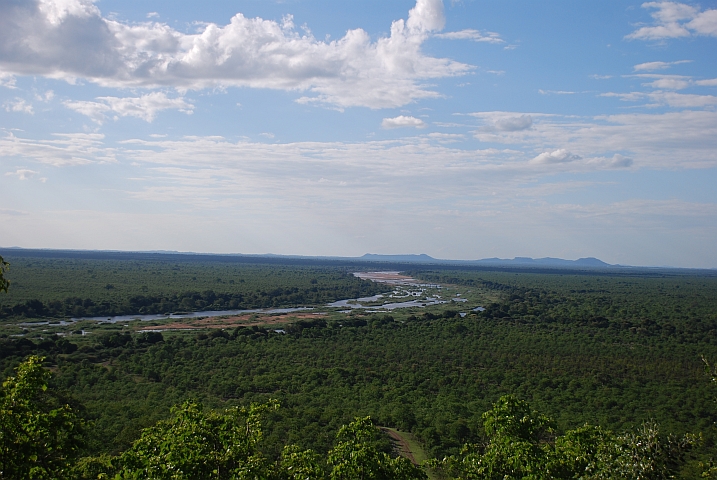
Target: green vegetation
{"x":63,"y":288}
{"x":4,"y":282}
{"x":522,"y":445}
{"x":619,"y":353}
{"x":40,"y":433}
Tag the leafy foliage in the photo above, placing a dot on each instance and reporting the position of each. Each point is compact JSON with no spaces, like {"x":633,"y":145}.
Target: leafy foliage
{"x":4,"y":282}
{"x":195,"y":444}
{"x":518,"y":448}
{"x":355,"y":456}
{"x":40,"y":434}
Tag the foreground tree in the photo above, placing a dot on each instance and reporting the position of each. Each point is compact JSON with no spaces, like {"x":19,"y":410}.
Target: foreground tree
{"x":4,"y":282}
{"x":195,"y":444}
{"x":522,"y":445}
{"x":40,"y":434}
{"x":355,"y":456}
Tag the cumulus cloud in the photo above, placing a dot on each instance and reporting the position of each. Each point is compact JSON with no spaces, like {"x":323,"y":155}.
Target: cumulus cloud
{"x":18,"y":105}
{"x":556,"y":156}
{"x":402,"y":121}
{"x":470,"y":34}
{"x":145,"y":107}
{"x":70,"y":39}
{"x":676,"y":20}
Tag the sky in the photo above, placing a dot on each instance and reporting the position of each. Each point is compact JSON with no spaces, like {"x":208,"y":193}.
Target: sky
{"x":461,"y":129}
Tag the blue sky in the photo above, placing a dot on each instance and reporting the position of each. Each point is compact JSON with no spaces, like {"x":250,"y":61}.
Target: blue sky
{"x":460,"y":129}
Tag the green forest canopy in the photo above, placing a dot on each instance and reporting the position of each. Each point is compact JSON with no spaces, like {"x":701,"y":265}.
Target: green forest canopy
{"x":613,"y":351}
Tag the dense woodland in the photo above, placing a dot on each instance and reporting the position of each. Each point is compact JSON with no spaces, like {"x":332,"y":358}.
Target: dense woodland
{"x":612,"y":351}
{"x":64,"y":288}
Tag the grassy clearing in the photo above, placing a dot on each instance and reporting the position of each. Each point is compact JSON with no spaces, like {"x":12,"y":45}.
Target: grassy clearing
{"x":409,"y":444}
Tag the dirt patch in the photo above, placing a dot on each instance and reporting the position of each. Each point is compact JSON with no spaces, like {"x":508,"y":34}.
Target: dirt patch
{"x":384,"y":277}
{"x":400,"y":445}
{"x":248,"y":320}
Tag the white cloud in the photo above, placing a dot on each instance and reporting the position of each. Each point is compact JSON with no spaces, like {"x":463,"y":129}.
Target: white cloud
{"x":145,"y":107}
{"x":470,"y":34}
{"x":402,"y":121}
{"x":670,"y":99}
{"x":45,"y":97}
{"x":446,"y":137}
{"x":63,"y":150}
{"x":616,"y":161}
{"x":705,"y":23}
{"x":652,"y":66}
{"x":676,"y":20}
{"x":556,"y":92}
{"x":7,"y":80}
{"x":18,"y":105}
{"x":22,"y":173}
{"x":514,"y":124}
{"x":676,"y":82}
{"x":683,"y":139}
{"x":556,"y":156}
{"x":669,"y":82}
{"x":70,"y":39}
{"x":683,"y":100}
{"x":56,"y":11}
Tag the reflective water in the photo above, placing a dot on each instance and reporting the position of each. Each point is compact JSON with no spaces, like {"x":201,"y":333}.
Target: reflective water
{"x":147,"y":318}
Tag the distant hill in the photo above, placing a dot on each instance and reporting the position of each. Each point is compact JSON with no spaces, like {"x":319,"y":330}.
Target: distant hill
{"x":422,"y":258}
{"x":517,"y":262}
{"x":547,"y":261}
{"x":521,"y":261}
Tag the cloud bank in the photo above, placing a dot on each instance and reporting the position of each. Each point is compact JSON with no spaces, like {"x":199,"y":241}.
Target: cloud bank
{"x":676,"y":20}
{"x":70,"y":39}
{"x":145,"y":107}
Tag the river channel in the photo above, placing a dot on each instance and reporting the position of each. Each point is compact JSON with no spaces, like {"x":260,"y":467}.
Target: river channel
{"x":349,"y":304}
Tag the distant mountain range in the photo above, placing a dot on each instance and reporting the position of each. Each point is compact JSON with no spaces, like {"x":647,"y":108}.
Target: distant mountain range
{"x":522,"y":261}
{"x":395,"y":261}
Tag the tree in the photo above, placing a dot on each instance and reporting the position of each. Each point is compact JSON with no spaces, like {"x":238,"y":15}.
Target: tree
{"x":195,"y":444}
{"x":514,"y":451}
{"x":355,"y":457}
{"x":40,"y":434}
{"x":4,"y":282}
{"x":521,"y":446}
